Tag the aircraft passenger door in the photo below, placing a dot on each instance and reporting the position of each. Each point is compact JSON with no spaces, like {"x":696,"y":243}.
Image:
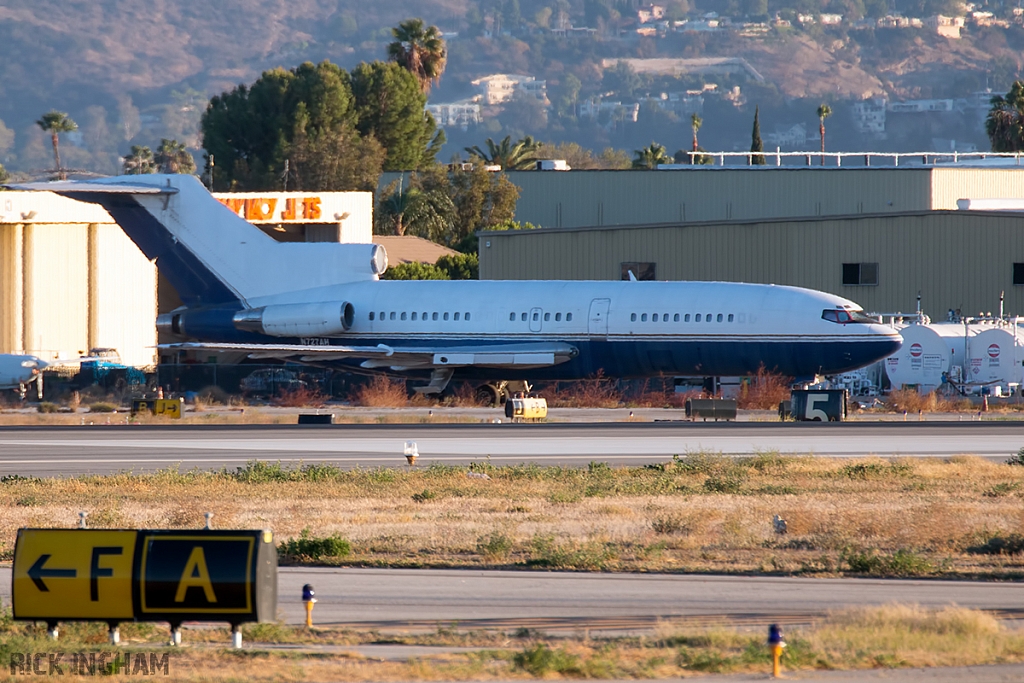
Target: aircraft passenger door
{"x":598,"y":325}
{"x":535,"y":319}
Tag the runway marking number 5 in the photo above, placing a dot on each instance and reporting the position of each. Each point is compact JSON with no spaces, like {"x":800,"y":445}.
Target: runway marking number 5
{"x":813,"y":413}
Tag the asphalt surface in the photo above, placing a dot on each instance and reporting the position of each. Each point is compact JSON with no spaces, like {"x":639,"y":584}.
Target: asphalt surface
{"x":423,"y":599}
{"x":55,"y":451}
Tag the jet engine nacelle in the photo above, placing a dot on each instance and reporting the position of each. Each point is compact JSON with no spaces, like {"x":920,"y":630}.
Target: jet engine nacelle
{"x":297,"y":320}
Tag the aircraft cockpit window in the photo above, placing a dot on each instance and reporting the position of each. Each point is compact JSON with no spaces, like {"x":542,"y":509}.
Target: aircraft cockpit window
{"x":843,"y":317}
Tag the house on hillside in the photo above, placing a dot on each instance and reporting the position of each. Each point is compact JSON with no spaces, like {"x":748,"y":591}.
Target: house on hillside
{"x":499,"y":88}
{"x":461,"y":114}
{"x":649,"y":13}
{"x":869,"y":116}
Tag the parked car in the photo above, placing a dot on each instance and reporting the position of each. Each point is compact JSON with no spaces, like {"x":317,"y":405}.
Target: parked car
{"x":271,"y":381}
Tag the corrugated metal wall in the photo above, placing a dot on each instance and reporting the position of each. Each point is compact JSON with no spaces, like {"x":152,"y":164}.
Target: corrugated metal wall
{"x":56,"y":294}
{"x":951,"y":184}
{"x":956,"y":259}
{"x":589,"y":198}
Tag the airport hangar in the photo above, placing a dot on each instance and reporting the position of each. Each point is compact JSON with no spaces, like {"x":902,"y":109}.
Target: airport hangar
{"x":878,"y":236}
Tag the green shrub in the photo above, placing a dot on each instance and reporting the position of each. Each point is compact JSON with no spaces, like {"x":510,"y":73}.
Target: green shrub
{"x":48,"y":407}
{"x":1002,"y":489}
{"x":102,"y":407}
{"x":261,"y":472}
{"x":308,"y":547}
{"x":722,"y":484}
{"x":495,"y":548}
{"x":424,"y":495}
{"x":1017,"y":459}
{"x":540,"y":660}
{"x":901,"y":563}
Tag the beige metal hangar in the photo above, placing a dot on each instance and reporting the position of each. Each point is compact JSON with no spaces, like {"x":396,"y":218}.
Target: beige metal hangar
{"x":956,"y":259}
{"x":570,"y":199}
{"x":71,"y":280}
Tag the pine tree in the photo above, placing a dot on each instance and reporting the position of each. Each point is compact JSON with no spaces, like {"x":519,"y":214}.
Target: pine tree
{"x":755,"y":141}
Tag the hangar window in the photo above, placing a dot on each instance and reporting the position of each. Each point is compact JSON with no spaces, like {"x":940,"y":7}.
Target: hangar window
{"x":371,"y":315}
{"x":558,"y":317}
{"x":392,"y":315}
{"x":547,"y":317}
{"x":730,"y":317}
{"x":860,"y":274}
{"x":675,"y":318}
{"x":1018,"y":273}
{"x":632,"y":317}
{"x":640,"y":270}
{"x":512,"y":316}
{"x":719,"y":317}
{"x":568,"y":317}
{"x":403,"y":315}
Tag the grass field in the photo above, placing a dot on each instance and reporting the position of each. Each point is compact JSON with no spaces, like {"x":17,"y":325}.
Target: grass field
{"x":885,"y":637}
{"x":697,"y":513}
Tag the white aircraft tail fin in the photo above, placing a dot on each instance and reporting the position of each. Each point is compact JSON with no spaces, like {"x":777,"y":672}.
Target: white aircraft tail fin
{"x":207,"y":252}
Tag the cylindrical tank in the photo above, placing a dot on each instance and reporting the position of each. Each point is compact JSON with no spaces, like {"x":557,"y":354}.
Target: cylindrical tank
{"x":928,"y":352}
{"x":995,"y":356}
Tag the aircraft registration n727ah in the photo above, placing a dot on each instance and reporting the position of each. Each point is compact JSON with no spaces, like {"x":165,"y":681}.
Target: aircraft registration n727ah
{"x":324,"y":304}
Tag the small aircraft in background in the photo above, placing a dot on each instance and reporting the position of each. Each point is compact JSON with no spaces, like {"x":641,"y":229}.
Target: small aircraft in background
{"x":18,"y":372}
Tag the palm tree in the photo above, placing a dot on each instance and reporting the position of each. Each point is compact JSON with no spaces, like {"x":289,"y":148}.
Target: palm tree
{"x":695,"y":123}
{"x":650,"y":156}
{"x":1005,"y":121}
{"x":824,"y":111}
{"x":172,"y":157}
{"x":417,"y":212}
{"x":517,"y":156}
{"x":139,"y":161}
{"x":420,"y":50}
{"x":57,"y":122}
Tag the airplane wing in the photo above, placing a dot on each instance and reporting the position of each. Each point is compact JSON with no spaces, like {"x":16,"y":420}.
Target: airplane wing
{"x":541,"y":354}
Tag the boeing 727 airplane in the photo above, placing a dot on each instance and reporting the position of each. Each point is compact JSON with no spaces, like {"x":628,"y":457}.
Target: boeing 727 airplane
{"x":324,"y":304}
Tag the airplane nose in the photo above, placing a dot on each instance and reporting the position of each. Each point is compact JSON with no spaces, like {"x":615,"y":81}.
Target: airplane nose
{"x":41,"y":364}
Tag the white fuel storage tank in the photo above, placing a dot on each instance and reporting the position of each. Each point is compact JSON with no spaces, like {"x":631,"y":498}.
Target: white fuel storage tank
{"x":928,"y":352}
{"x":995,"y":356}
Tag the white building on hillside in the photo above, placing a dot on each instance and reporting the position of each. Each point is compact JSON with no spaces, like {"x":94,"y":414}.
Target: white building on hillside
{"x":869,"y":116}
{"x":499,"y":88}
{"x":456,"y":114}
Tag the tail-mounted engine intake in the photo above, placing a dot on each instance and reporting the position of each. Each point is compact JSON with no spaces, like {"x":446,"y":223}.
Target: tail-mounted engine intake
{"x":297,"y":320}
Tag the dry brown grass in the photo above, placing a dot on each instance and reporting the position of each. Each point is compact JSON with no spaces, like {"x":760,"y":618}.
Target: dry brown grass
{"x":701,"y":513}
{"x":301,"y":397}
{"x":891,"y":636}
{"x":381,"y":392}
{"x":597,"y":392}
{"x":764,"y":391}
{"x":910,"y":401}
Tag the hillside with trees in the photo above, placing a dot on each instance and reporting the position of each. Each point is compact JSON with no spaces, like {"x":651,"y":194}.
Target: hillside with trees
{"x":134,"y":73}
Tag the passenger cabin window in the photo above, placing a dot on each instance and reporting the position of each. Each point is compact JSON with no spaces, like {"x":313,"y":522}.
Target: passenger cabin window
{"x":697,"y":318}
{"x":730,"y":317}
{"x":686,"y":318}
{"x":640,"y":270}
{"x":392,"y":315}
{"x":719,"y":317}
{"x":371,"y":315}
{"x":424,"y":315}
{"x":414,"y":315}
{"x":654,"y":318}
{"x":568,"y":317}
{"x":434,"y":316}
{"x":523,"y":318}
{"x":558,"y":317}
{"x":860,"y":274}
{"x":643,"y":317}
{"x":664,"y":317}
{"x":547,"y":317}
{"x":467,"y":315}
{"x":446,"y":315}
{"x":708,"y":317}
{"x":512,"y":316}
{"x":403,"y":315}
{"x":632,"y":317}
{"x":456,"y":316}
{"x":844,"y":317}
{"x":536,"y":316}
{"x":675,"y":318}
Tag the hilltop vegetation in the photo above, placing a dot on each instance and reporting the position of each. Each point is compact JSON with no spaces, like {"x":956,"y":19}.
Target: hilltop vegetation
{"x":133,"y":72}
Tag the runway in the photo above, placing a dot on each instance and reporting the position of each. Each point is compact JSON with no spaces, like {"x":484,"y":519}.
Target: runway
{"x":57,"y":451}
{"x":415,"y":599}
